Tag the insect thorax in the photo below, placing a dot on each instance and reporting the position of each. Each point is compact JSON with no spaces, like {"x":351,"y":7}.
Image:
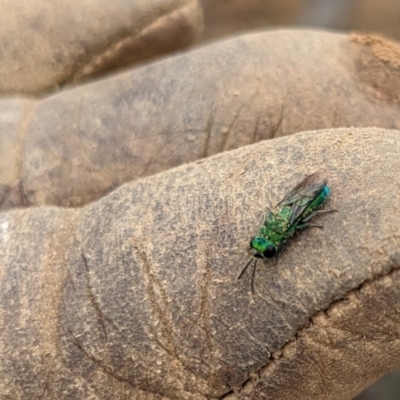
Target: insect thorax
{"x":276,"y":226}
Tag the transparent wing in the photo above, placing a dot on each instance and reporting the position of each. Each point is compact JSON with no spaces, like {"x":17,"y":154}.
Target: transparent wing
{"x":303,"y":194}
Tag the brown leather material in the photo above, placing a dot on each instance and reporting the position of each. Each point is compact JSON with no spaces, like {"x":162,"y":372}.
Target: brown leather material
{"x":47,"y":44}
{"x":74,"y":147}
{"x":136,"y":296}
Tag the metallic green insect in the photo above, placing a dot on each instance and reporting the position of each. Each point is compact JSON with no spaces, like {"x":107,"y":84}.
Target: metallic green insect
{"x":293,"y":213}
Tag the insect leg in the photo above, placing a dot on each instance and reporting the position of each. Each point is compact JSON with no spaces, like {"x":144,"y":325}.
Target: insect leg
{"x":315,"y":213}
{"x":324,"y":211}
{"x":252,"y":277}
{"x":245,"y":267}
{"x":306,"y":225}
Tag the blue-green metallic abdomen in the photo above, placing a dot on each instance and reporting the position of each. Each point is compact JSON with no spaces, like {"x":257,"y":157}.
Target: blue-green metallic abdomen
{"x":318,"y":201}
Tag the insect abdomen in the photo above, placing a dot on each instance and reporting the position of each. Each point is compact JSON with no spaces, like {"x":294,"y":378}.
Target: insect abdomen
{"x":321,"y":198}
{"x":318,"y":201}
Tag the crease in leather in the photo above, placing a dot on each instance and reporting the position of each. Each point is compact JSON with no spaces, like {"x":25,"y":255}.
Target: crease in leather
{"x":97,"y":61}
{"x":302,"y":331}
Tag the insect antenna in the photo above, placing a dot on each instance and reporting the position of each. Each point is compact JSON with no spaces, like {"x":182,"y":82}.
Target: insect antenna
{"x":244,"y":269}
{"x":252,"y":276}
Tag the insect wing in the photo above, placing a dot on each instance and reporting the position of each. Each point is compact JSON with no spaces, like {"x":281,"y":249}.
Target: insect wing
{"x":303,"y":195}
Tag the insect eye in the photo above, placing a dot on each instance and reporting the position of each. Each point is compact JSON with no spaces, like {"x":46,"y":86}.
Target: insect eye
{"x":252,"y":241}
{"x":270,"y":251}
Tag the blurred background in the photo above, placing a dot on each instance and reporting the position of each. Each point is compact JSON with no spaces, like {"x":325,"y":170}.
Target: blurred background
{"x":230,"y":17}
{"x":225,"y":17}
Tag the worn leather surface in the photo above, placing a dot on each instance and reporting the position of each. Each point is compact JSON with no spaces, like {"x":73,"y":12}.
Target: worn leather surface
{"x":74,"y":147}
{"x":46,"y":44}
{"x":136,"y":296}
